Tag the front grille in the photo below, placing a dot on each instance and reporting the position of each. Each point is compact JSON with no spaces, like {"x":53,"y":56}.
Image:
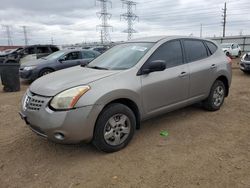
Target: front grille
{"x":33,"y":102}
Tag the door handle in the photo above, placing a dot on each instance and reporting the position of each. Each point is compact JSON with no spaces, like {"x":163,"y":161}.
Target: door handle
{"x":213,"y":66}
{"x":183,"y":74}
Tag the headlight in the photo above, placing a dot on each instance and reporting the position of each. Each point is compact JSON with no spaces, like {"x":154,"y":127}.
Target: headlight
{"x":68,"y":99}
{"x":29,"y":68}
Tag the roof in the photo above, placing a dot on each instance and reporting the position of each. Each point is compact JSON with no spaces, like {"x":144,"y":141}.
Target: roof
{"x":159,"y":38}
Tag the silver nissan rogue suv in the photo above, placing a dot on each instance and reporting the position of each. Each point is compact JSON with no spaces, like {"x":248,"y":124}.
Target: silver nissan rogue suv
{"x":105,"y":101}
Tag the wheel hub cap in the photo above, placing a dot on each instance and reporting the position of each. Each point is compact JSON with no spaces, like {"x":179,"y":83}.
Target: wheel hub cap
{"x":218,"y":96}
{"x":117,"y":129}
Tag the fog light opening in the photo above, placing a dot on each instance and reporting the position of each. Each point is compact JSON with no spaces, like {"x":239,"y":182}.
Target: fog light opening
{"x":59,"y":136}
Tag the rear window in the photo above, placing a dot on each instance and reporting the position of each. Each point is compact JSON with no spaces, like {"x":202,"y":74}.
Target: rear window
{"x":212,"y":47}
{"x":195,"y":50}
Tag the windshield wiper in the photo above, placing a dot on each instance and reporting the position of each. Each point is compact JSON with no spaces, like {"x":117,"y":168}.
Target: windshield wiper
{"x":96,"y":67}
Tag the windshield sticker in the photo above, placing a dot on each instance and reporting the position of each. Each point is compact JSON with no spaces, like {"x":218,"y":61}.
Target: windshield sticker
{"x":139,"y":48}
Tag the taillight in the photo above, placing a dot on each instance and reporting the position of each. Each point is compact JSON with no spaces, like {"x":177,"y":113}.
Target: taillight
{"x":229,"y":60}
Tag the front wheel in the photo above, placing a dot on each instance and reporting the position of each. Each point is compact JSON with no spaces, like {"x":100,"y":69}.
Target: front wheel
{"x":216,"y":97}
{"x":114,"y":128}
{"x":45,"y":72}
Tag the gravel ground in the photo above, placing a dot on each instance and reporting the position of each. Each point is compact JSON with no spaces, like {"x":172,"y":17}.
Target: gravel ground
{"x":203,"y":149}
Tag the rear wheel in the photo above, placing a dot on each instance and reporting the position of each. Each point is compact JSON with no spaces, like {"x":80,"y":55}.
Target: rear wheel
{"x":114,"y":128}
{"x":216,"y":97}
{"x":45,"y":72}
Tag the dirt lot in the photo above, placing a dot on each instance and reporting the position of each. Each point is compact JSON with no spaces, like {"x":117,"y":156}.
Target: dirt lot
{"x":203,"y":149}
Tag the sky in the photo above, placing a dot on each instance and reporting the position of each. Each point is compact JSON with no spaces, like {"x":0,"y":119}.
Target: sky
{"x":75,"y":21}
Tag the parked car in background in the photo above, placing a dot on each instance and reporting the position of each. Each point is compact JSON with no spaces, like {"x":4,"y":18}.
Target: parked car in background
{"x":28,"y":53}
{"x":33,"y":52}
{"x":11,"y":54}
{"x":59,"y":60}
{"x":105,"y":101}
{"x":245,"y":63}
{"x":231,"y":49}
{"x":100,"y":49}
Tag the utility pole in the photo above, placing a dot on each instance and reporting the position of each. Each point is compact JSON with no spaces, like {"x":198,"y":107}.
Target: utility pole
{"x":8,"y":34}
{"x":104,"y":16}
{"x":224,"y":19}
{"x":52,"y":40}
{"x":201,"y":31}
{"x":130,"y":17}
{"x":26,"y":41}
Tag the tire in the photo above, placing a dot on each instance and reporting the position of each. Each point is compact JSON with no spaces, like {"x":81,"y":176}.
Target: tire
{"x":246,"y":72}
{"x":45,"y":72}
{"x":118,"y":123}
{"x":216,"y":97}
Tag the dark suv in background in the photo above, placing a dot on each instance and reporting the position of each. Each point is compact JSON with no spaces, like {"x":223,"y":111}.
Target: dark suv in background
{"x":36,"y":52}
{"x":28,"y":53}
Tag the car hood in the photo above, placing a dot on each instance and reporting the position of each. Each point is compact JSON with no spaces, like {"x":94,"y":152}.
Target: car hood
{"x":35,"y":62}
{"x":56,"y":82}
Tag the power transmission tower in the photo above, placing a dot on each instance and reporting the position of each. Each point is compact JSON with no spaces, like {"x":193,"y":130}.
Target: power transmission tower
{"x":8,"y":34}
{"x":130,"y":17}
{"x":104,"y":16}
{"x":26,"y":41}
{"x":224,"y":19}
{"x":201,"y":28}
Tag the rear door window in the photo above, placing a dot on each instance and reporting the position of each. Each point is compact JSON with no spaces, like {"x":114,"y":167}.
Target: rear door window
{"x":43,"y":50}
{"x":54,"y":49}
{"x":30,"y":50}
{"x":73,"y":56}
{"x":87,"y":55}
{"x":195,"y":50}
{"x":170,"y":52}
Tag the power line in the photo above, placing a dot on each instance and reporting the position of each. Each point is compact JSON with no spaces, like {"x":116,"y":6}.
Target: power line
{"x":104,"y":16}
{"x":130,"y":17}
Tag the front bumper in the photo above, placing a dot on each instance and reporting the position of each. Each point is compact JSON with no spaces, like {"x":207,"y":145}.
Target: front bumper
{"x":75,"y":125}
{"x":28,"y":75}
{"x":245,"y":66}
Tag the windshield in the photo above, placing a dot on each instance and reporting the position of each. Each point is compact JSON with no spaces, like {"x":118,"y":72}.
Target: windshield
{"x":121,"y":57}
{"x":55,"y":55}
{"x":226,"y":45}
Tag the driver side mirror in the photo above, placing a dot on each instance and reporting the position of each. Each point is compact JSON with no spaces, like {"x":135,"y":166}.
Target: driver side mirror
{"x":154,"y":66}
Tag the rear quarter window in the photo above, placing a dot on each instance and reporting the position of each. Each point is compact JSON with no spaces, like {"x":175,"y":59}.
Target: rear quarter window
{"x":195,"y":50}
{"x":212,"y":47}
